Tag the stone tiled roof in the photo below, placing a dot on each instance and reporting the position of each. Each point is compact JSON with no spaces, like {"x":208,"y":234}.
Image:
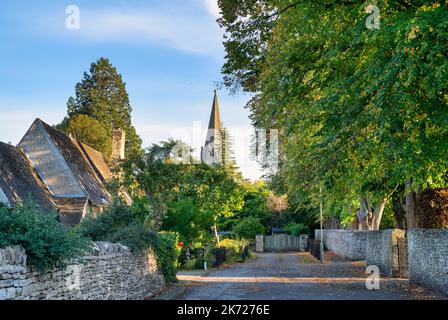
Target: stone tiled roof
{"x":19,"y":181}
{"x":98,"y":162}
{"x":80,"y":166}
{"x":62,"y":164}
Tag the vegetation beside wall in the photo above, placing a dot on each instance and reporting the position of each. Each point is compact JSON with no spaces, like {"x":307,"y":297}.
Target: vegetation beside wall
{"x":126,"y":225}
{"x":47,"y":243}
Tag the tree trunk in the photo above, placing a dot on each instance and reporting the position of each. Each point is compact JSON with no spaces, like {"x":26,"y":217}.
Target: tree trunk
{"x":215,"y":229}
{"x":410,"y":206}
{"x":364,"y":214}
{"x":369,"y":218}
{"x":378,"y":214}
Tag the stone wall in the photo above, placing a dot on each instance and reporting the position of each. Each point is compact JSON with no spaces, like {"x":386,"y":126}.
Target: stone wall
{"x":428,"y":258}
{"x":382,"y":250}
{"x":110,"y":272}
{"x":347,"y":244}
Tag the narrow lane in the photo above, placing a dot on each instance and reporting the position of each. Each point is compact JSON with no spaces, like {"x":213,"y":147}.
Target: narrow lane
{"x":293,"y":276}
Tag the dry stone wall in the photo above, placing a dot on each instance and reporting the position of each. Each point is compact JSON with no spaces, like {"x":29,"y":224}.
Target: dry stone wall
{"x":347,"y":244}
{"x":110,"y":272}
{"x":428,"y":258}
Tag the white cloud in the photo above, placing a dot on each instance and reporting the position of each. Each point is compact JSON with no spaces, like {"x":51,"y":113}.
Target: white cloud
{"x":180,"y":28}
{"x":213,"y":8}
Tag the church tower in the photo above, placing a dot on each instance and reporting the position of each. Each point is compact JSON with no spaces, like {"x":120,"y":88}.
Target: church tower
{"x":212,"y":152}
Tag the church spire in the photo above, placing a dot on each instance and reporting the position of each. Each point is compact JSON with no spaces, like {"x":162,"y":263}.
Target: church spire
{"x":215,"y":117}
{"x":211,"y":152}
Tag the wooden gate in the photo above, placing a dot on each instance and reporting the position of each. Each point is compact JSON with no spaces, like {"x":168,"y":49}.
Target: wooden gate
{"x":281,"y":242}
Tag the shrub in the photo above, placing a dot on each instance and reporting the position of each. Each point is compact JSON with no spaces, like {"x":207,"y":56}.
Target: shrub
{"x":234,"y":248}
{"x":123,"y":224}
{"x":248,"y":228}
{"x":47,"y":243}
{"x":296,"y":229}
{"x":168,"y":252}
{"x":119,"y":223}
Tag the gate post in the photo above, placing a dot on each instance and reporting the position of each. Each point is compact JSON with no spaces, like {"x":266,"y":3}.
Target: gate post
{"x":259,"y":247}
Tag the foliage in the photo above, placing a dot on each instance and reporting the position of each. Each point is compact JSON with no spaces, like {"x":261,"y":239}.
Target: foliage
{"x":248,"y":228}
{"x":155,"y":176}
{"x":47,"y":243}
{"x":126,"y":225}
{"x":234,"y":248}
{"x":360,"y":111}
{"x":119,"y":223}
{"x":185,"y":218}
{"x":168,"y":251}
{"x":101,"y":95}
{"x":432,"y":209}
{"x":296,"y":229}
{"x":89,"y":131}
{"x":255,"y":197}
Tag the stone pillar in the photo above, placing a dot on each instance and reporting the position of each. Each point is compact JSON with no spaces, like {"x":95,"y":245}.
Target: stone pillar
{"x":259,"y":243}
{"x":303,"y":242}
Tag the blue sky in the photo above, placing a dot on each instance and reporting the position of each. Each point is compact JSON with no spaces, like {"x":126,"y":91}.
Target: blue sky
{"x":169,"y":52}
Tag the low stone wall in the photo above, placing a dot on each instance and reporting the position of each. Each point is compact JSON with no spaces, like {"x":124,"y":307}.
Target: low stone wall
{"x":110,"y":272}
{"x":382,"y":250}
{"x":428,"y":258}
{"x":347,"y":244}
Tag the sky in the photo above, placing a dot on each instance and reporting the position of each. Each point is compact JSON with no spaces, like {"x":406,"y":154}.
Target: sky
{"x":169,"y":53}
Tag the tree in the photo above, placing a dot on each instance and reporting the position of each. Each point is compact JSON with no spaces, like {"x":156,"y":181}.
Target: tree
{"x":89,"y":131}
{"x":248,"y":228}
{"x":192,"y":223}
{"x":102,"y":96}
{"x":217,"y":191}
{"x":154,"y":175}
{"x":361,"y":111}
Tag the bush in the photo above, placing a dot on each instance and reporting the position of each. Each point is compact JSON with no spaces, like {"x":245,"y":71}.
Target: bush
{"x":119,"y":223}
{"x":47,"y":243}
{"x":123,"y":224}
{"x":168,"y":251}
{"x":234,"y":248}
{"x":248,"y":228}
{"x":296,"y":229}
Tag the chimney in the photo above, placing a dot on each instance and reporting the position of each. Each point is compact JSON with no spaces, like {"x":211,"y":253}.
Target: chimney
{"x":118,"y":144}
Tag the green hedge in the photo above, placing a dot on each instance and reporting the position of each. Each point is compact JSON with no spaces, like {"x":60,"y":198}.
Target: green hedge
{"x":248,"y":228}
{"x":123,"y":224}
{"x":234,"y":248}
{"x":296,"y":229}
{"x":47,"y":243}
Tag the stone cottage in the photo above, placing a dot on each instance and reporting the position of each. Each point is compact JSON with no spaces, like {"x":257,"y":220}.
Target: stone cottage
{"x":65,"y":174}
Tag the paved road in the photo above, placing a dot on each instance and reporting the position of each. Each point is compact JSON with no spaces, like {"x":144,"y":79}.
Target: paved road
{"x":290,"y":276}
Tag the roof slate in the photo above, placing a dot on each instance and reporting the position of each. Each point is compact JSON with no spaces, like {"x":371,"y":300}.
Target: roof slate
{"x":19,"y":181}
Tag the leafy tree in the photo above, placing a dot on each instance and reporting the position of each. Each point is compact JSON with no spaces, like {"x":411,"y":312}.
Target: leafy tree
{"x":248,"y":228}
{"x":361,"y":111}
{"x":102,"y":96}
{"x":154,"y":175}
{"x":217,"y":191}
{"x":185,"y":218}
{"x":89,"y":131}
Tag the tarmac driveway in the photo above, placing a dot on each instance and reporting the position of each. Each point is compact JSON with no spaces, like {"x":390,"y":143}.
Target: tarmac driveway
{"x":291,"y":276}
